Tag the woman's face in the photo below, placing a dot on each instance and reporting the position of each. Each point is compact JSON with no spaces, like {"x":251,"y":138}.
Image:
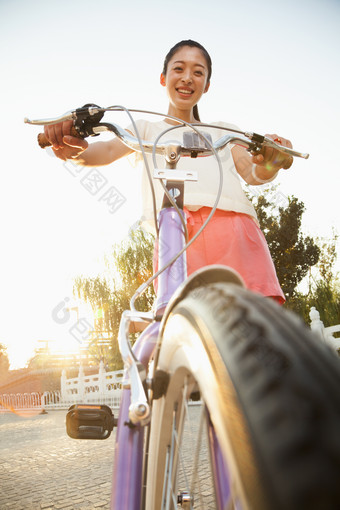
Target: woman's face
{"x":186,"y":79}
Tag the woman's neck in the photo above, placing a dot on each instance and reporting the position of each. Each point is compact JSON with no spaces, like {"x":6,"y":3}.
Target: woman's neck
{"x":185,"y":115}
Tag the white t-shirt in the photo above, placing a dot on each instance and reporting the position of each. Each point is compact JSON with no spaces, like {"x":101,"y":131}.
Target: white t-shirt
{"x":204,"y":191}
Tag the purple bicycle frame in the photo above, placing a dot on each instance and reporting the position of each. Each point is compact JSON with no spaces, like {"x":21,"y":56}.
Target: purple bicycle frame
{"x":129,"y":454}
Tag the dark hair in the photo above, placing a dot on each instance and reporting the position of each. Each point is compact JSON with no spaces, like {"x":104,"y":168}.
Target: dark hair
{"x":192,"y":44}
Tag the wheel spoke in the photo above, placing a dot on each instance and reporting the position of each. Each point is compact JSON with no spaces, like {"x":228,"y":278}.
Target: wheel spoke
{"x":187,"y":451}
{"x":195,"y":474}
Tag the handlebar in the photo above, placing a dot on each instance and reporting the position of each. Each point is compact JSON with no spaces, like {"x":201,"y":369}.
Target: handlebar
{"x":87,"y":123}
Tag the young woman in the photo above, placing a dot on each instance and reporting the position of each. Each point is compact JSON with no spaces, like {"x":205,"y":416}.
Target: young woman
{"x":232,"y":237}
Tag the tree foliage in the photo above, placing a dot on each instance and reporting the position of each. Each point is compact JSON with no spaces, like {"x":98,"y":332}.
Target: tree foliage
{"x":292,"y":252}
{"x":297,"y":256}
{"x":327,"y":258}
{"x":323,"y":288}
{"x":324,"y":296}
{"x":4,"y":362}
{"x":109,"y":294}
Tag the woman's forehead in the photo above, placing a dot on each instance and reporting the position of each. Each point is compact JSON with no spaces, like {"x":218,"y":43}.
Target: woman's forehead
{"x":189,"y":54}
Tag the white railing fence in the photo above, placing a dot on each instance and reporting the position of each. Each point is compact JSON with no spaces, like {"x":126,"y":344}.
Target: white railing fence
{"x":101,"y":388}
{"x":326,"y":334}
{"x":10,"y":402}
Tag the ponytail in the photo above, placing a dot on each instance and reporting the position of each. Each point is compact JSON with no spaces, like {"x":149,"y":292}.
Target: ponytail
{"x":196,"y":114}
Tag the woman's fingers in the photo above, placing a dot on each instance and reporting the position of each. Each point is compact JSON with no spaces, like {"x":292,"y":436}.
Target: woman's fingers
{"x":273,"y":159}
{"x":73,"y":141}
{"x":56,"y":132}
{"x":65,"y":146}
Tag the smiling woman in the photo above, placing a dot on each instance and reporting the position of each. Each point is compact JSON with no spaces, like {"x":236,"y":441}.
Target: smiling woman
{"x":233,"y":237}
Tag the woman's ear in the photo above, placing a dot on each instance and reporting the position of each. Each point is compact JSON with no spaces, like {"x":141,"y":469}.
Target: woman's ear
{"x":162,"y":80}
{"x":207,"y":87}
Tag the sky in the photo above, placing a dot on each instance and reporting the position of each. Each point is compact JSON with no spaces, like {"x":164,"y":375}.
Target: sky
{"x":275,"y":70}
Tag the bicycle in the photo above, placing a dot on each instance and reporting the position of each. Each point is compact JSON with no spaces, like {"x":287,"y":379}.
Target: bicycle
{"x":265,"y":388}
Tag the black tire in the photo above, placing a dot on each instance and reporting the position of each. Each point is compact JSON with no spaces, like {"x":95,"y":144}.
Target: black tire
{"x":272,"y":390}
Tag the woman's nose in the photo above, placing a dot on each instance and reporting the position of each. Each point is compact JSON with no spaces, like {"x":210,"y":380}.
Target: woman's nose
{"x":187,"y":78}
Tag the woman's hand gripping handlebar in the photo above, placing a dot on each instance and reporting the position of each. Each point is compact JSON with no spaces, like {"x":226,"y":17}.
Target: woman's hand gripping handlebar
{"x":66,"y":134}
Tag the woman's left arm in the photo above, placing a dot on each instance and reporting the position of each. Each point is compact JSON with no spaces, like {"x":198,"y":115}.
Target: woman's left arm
{"x":263,"y":167}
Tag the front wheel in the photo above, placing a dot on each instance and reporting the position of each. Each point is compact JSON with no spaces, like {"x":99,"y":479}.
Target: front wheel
{"x":268,"y":401}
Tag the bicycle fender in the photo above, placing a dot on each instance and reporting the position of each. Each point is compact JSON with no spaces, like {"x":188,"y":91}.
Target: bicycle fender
{"x":206,"y":275}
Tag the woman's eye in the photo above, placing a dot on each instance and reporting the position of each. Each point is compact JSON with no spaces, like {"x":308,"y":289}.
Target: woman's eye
{"x":178,"y":69}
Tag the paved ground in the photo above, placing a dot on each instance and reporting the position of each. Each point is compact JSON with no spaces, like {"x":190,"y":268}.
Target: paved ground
{"x":41,"y":468}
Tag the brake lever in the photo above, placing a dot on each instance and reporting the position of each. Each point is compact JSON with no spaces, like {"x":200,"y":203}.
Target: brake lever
{"x":87,"y":118}
{"x":263,"y":141}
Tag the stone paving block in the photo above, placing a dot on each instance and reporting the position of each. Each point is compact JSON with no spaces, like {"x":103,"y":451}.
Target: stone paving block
{"x":105,"y":485}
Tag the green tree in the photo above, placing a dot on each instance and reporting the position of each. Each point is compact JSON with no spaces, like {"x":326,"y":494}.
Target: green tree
{"x":109,"y":294}
{"x":296,"y":256}
{"x":293,"y":253}
{"x":325,"y":297}
{"x":323,"y":288}
{"x":4,"y":362}
{"x":328,"y":258}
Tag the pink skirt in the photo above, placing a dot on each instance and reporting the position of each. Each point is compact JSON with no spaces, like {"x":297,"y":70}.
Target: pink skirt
{"x":232,"y":239}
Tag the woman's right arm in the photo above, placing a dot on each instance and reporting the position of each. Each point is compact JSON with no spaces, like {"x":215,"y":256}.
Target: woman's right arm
{"x":65,"y":146}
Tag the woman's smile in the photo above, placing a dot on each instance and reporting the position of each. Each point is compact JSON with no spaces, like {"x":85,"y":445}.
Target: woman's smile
{"x":185,"y":91}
